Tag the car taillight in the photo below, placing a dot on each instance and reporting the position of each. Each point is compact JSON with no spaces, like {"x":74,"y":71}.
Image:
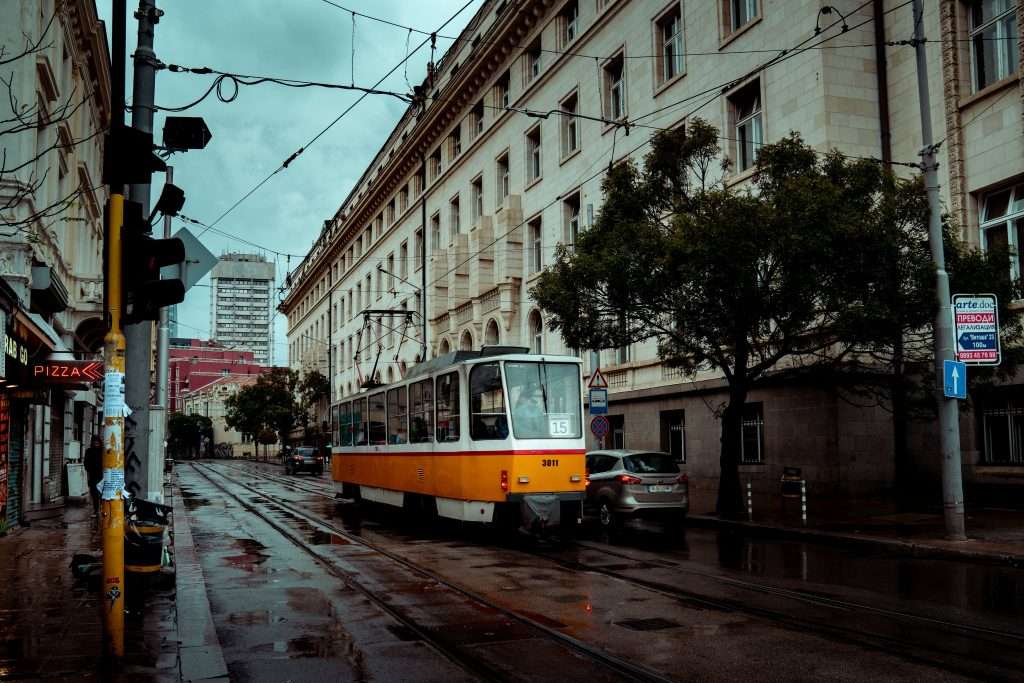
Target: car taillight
{"x":504,"y":480}
{"x":683,"y":479}
{"x":629,"y":479}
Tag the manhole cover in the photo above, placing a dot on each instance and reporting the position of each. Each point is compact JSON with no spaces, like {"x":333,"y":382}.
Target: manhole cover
{"x":655,"y":624}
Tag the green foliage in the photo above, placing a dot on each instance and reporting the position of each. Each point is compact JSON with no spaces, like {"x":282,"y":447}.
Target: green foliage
{"x":823,"y":264}
{"x":184,"y":432}
{"x":269,"y":404}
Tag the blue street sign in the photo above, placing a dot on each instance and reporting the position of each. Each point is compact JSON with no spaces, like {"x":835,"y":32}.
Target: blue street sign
{"x":954,"y":382}
{"x":600,"y":426}
{"x":978,"y":341}
{"x":598,"y":401}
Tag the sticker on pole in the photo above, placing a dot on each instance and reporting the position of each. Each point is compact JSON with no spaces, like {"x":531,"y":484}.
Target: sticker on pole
{"x":976,"y":329}
{"x":112,"y":484}
{"x":599,"y":426}
{"x":113,"y":395}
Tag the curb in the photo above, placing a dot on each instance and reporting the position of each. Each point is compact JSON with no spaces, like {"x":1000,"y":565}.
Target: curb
{"x":893,"y":545}
{"x":199,"y":653}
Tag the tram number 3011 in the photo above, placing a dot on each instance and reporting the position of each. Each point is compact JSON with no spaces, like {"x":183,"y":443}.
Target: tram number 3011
{"x":549,"y":462}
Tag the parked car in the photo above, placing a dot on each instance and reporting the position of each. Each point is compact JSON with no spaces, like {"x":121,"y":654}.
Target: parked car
{"x":303,"y":459}
{"x":625,"y":483}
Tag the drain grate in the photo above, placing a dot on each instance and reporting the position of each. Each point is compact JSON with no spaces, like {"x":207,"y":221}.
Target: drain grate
{"x":654,"y":624}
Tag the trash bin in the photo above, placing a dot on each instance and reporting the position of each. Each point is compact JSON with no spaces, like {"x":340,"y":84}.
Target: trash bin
{"x":791,"y":478}
{"x":144,"y":536}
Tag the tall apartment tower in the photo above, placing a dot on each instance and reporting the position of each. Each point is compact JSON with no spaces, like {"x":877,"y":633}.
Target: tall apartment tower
{"x":240,"y":296}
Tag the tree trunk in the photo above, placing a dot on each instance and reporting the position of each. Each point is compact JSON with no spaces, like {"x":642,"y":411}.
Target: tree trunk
{"x":730,"y":494}
{"x":901,"y":455}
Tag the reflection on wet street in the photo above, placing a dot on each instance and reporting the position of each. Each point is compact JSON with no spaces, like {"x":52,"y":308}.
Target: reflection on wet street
{"x":296,"y":588}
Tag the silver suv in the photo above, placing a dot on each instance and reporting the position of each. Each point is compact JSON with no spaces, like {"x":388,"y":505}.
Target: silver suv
{"x":623,"y":483}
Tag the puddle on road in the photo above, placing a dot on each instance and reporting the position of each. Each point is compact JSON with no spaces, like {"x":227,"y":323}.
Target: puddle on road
{"x":303,"y":646}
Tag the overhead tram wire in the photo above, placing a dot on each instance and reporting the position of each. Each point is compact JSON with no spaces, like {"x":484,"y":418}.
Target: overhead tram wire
{"x":287,"y":162}
{"x":784,"y":54}
{"x":581,"y":55}
{"x":717,"y":92}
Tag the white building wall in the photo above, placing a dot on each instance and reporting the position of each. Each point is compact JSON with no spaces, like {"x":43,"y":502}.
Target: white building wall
{"x":828,"y":95}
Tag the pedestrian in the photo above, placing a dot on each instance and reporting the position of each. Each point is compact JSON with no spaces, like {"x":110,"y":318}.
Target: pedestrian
{"x":94,"y":470}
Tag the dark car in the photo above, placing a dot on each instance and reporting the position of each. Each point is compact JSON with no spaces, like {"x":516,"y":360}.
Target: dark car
{"x":623,"y":483}
{"x":303,"y":459}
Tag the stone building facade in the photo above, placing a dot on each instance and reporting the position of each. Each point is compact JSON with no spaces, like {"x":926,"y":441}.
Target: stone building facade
{"x":504,"y":161}
{"x":54,"y":109}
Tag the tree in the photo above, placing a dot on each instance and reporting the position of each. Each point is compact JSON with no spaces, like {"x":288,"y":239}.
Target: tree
{"x":897,"y":324}
{"x":751,"y":284}
{"x":270,"y":403}
{"x":314,"y":389}
{"x":185,"y":433}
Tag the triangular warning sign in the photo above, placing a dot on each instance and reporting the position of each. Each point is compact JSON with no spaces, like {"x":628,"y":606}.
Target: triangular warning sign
{"x":597,"y":380}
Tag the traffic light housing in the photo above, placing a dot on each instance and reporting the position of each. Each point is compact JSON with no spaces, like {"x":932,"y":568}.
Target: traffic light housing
{"x":144,"y":293}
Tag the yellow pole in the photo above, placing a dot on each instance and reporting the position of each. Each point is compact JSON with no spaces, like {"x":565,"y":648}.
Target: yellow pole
{"x":112,"y":506}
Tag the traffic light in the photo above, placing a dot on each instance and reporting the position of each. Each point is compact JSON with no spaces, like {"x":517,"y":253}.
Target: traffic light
{"x":128,"y":157}
{"x":142,"y":258}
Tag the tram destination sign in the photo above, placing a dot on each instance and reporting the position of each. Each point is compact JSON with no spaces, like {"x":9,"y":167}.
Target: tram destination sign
{"x":976,"y":329}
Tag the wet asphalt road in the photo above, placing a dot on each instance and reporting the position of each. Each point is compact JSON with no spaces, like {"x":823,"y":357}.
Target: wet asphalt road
{"x":293,"y":600}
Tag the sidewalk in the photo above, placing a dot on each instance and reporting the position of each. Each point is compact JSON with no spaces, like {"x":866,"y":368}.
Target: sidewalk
{"x":994,"y":535}
{"x":50,"y":621}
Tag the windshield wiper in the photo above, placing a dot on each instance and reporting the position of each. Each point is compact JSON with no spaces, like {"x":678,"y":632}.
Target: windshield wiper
{"x":543,"y":383}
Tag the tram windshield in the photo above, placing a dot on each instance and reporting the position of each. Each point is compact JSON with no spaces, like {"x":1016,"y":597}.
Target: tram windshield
{"x":545,"y":399}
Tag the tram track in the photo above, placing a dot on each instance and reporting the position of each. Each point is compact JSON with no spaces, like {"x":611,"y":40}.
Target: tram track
{"x":938,"y":652}
{"x":477,"y":665}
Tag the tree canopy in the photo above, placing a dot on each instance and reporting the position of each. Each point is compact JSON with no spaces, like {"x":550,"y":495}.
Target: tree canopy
{"x":270,"y":403}
{"x":820,"y":262}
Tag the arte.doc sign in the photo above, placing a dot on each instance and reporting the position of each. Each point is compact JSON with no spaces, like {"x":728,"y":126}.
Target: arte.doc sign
{"x":976,"y":329}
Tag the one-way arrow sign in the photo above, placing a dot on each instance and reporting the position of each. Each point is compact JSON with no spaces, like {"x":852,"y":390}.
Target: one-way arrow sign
{"x":955,"y":379}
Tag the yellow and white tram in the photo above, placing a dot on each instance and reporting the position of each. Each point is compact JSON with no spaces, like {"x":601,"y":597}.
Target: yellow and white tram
{"x":480,"y":436}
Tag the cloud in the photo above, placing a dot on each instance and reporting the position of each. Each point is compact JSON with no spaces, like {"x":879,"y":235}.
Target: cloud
{"x":265,"y":124}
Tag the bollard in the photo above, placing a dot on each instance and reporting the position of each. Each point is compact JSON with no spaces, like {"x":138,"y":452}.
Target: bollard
{"x":803,"y":501}
{"x":750,"y":502}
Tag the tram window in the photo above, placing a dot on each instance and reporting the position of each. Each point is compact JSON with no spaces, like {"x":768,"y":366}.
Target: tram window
{"x":545,"y":400}
{"x":359,"y":418}
{"x":421,"y":411}
{"x":378,"y":426}
{"x":397,"y":415}
{"x":345,"y":422}
{"x":335,"y":425}
{"x":487,"y":403}
{"x":448,"y":407}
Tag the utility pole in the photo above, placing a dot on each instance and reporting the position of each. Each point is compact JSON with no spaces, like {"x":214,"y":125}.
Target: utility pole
{"x":949,"y":410}
{"x":158,"y":416}
{"x":112,"y":507}
{"x":144,"y":473}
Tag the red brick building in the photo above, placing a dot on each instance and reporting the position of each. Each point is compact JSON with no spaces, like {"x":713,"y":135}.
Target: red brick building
{"x":194,"y":363}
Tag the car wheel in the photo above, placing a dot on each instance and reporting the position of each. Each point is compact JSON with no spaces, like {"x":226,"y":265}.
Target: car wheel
{"x":608,"y":518}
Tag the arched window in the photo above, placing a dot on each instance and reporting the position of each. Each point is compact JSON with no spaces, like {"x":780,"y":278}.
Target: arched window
{"x":491,"y":333}
{"x":466,"y":343}
{"x":536,"y":332}
{"x":444,"y":348}
{"x":391,"y":375}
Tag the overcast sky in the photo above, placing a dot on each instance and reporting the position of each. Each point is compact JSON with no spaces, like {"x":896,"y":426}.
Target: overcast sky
{"x":265,"y":124}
